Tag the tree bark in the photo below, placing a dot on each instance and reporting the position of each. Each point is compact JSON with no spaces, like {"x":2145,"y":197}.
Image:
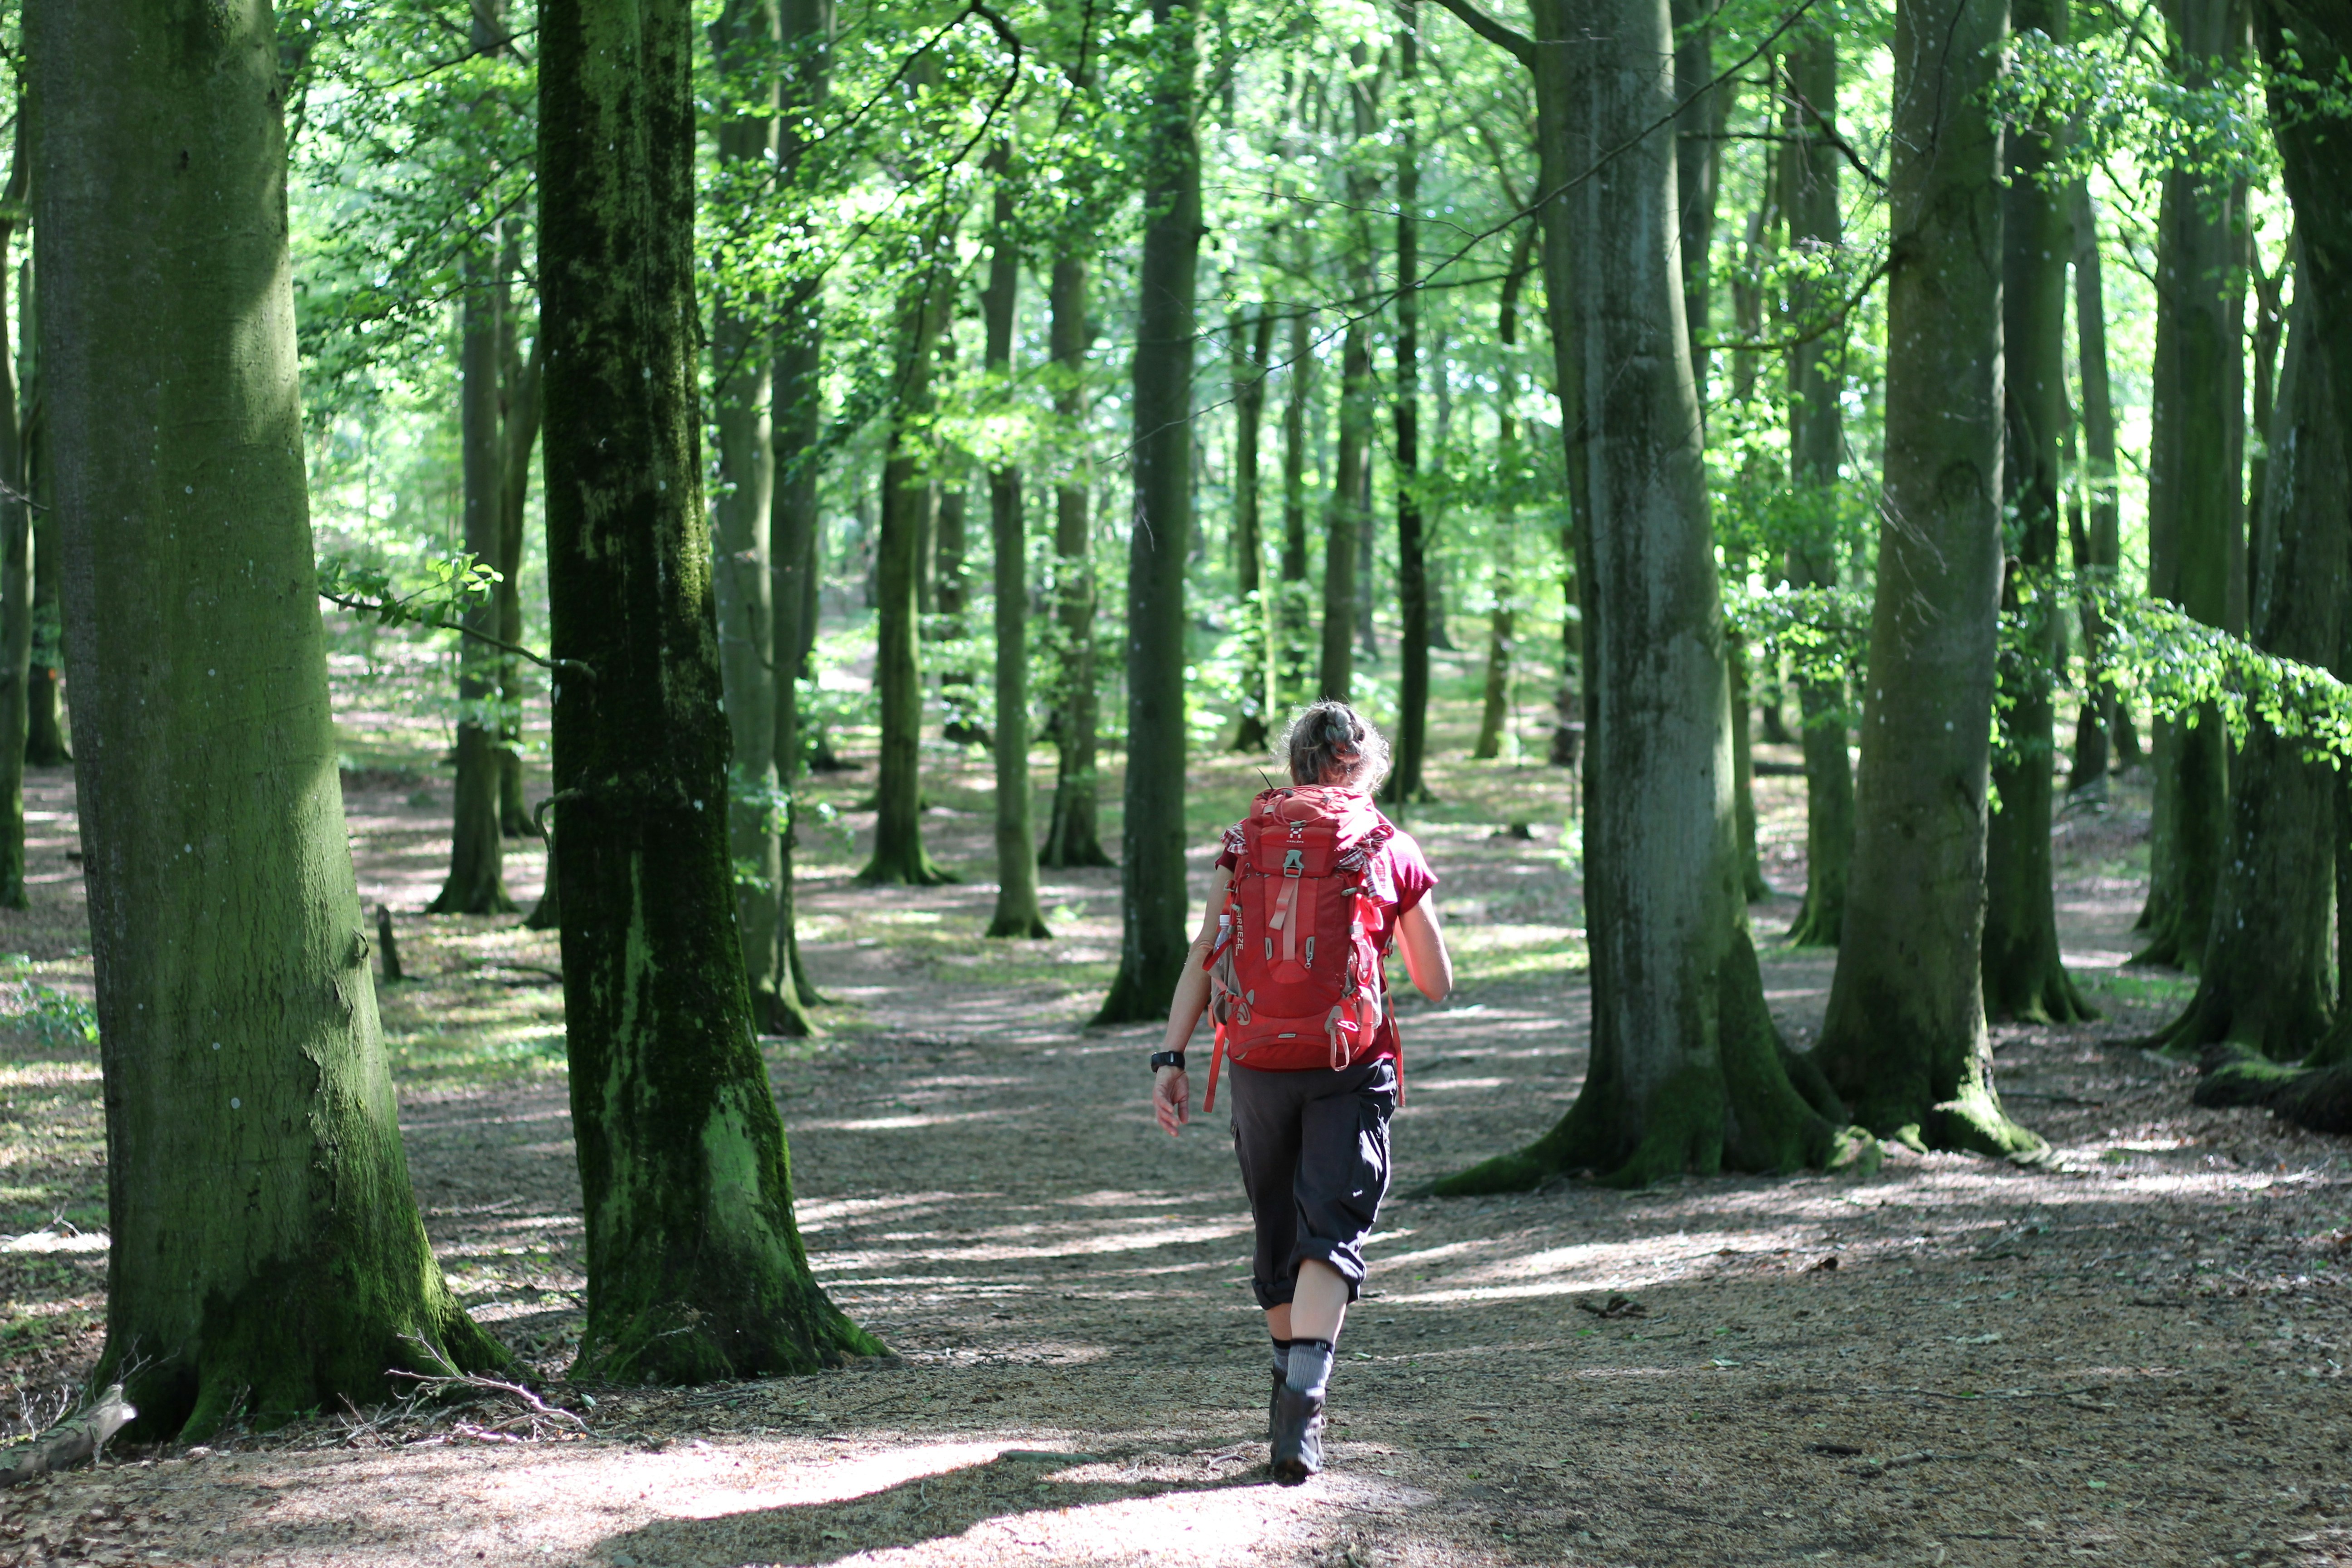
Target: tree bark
{"x":1816,"y":451}
{"x":746,"y":42}
{"x":16,"y":554}
{"x":1288,"y":620}
{"x":909,"y":499}
{"x":1073,"y":835}
{"x":1018,"y":913}
{"x":695,"y":1268}
{"x":1153,"y":900}
{"x":2264,"y":983}
{"x":1249,"y":343}
{"x":517,"y":434}
{"x":267,"y":1255}
{"x":45,"y":745}
{"x":1905,"y":1039}
{"x":1495,"y":709}
{"x":2024,"y":978}
{"x":2196,"y":498}
{"x":2104,"y":735}
{"x":796,"y":395}
{"x":1344,"y":518}
{"x":1405,"y":785}
{"x":477,"y":840}
{"x":1687,"y":1070}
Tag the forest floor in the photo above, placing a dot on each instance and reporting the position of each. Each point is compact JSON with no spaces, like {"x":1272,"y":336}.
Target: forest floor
{"x":2132,"y":1355}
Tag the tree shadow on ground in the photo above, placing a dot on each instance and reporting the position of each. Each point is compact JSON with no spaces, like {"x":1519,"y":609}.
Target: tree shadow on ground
{"x":935,"y":1506}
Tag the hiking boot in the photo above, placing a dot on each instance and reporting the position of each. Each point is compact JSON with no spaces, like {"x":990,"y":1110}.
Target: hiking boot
{"x":1298,"y":1434}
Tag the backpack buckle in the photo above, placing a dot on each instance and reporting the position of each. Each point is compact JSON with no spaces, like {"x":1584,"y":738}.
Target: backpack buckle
{"x":1294,"y":862}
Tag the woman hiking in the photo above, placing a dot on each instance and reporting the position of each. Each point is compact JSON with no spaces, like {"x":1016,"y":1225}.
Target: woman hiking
{"x":1310,"y":1038}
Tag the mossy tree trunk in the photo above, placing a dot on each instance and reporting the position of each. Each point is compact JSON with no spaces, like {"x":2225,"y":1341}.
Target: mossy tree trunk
{"x":2265,"y":980}
{"x":1153,"y":900}
{"x":1495,"y":710}
{"x":1405,"y":785}
{"x":1073,"y":833}
{"x":2024,"y":977}
{"x":268,"y":1256}
{"x":1016,"y":913}
{"x":1249,"y":342}
{"x":518,"y":436}
{"x":907,"y":502}
{"x":746,"y":42}
{"x":2196,"y":495}
{"x":1816,"y":450}
{"x":1687,"y":1070}
{"x":1905,"y":1039}
{"x":695,"y":1268}
{"x":476,"y":884}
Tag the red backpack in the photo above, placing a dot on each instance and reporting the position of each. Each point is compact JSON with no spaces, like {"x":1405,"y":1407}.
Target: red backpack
{"x":1295,"y":978}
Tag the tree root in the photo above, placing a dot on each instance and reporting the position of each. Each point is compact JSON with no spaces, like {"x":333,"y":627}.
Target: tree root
{"x":70,"y":1442}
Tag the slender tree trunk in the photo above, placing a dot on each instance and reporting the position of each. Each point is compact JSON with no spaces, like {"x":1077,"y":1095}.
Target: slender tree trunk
{"x":951,"y":563}
{"x":1905,"y":1039}
{"x":1816,"y":446}
{"x":1287,"y":623}
{"x":1405,"y":784}
{"x":2024,"y":977}
{"x":907,"y":500}
{"x":1687,"y":1071}
{"x":2196,"y":498}
{"x":517,"y":434}
{"x":45,"y":745}
{"x":796,"y":395}
{"x":2102,"y":731}
{"x":1345,"y":517}
{"x":1018,"y":913}
{"x":1073,"y":836}
{"x":267,"y":1255}
{"x":695,"y":1268}
{"x":1153,"y":898}
{"x":1251,"y":343}
{"x":1495,"y":710}
{"x":476,"y":841}
{"x":1749,"y":301}
{"x":2265,"y":981}
{"x":746,"y":42}
{"x":16,"y":554}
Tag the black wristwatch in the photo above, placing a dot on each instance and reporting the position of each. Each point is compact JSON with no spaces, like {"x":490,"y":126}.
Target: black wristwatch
{"x":1167,"y":1059}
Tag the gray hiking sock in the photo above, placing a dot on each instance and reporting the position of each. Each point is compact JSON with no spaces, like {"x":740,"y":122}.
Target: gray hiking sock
{"x":1282,"y":1355}
{"x":1310,"y":1366}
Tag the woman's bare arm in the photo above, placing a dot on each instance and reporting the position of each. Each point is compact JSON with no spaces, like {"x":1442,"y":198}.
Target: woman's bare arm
{"x":1425,"y":957}
{"x":1171,"y":1093}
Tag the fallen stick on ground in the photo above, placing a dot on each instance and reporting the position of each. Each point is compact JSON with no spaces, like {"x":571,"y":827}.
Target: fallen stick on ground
{"x":70,"y":1442}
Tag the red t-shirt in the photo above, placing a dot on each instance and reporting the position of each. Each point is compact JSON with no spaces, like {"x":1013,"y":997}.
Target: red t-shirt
{"x":1398,"y":878}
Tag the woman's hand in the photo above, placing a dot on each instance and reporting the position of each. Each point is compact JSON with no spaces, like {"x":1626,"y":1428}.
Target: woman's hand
{"x":1172,"y":1099}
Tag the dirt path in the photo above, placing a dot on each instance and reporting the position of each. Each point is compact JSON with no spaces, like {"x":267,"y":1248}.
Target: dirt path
{"x":2131,"y":1357}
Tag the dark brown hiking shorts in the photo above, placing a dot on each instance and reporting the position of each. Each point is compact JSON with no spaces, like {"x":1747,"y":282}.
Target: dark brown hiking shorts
{"x":1314,"y":1149}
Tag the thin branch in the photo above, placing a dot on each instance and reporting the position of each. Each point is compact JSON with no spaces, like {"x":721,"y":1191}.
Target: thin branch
{"x":377,"y":607}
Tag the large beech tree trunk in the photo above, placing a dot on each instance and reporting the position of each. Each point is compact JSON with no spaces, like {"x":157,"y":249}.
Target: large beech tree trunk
{"x":1816,"y":447}
{"x":268,"y":1256}
{"x":745,"y":42}
{"x":2196,"y":495}
{"x":695,"y":1268}
{"x":1073,"y":834}
{"x":1905,"y":1039}
{"x":1687,"y":1070}
{"x":1153,"y":900}
{"x":2265,"y":981}
{"x":476,"y":839}
{"x":1018,"y":913}
{"x":2023,"y":976}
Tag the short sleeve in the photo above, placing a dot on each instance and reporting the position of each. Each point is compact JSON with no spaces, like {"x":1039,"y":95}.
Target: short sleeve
{"x":1408,"y":870}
